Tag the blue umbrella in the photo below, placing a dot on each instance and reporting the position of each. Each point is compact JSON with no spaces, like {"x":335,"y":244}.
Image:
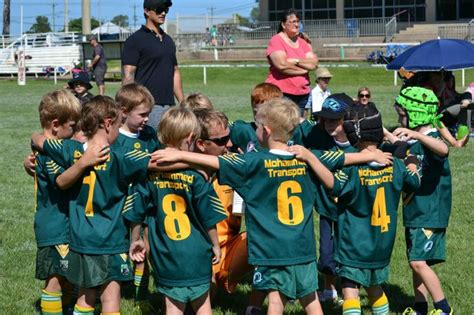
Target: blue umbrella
{"x":436,"y":55}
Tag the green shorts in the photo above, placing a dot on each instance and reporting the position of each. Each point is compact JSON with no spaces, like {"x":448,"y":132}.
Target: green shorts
{"x":363,"y":276}
{"x":184,"y":294}
{"x":90,"y":271}
{"x":52,"y":260}
{"x":295,"y":281}
{"x":426,"y":245}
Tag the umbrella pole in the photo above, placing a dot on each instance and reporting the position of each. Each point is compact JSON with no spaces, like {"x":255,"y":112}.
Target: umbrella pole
{"x":463,"y":77}
{"x":395,"y":78}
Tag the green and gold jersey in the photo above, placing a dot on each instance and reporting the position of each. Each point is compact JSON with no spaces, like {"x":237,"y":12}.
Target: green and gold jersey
{"x":244,"y":137}
{"x":430,"y":205}
{"x":146,"y":140}
{"x":181,"y":207}
{"x":279,"y":193}
{"x":325,"y":203}
{"x":318,"y":139}
{"x":52,"y":204}
{"x":367,"y":205}
{"x":96,"y":221}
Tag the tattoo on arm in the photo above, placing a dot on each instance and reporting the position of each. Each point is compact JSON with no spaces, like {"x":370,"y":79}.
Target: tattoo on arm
{"x":128,"y":74}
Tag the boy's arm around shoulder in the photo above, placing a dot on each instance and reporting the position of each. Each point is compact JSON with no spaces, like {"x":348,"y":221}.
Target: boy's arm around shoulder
{"x":171,"y":155}
{"x":412,"y":178}
{"x":38,"y":140}
{"x":435,"y":145}
{"x":94,"y":155}
{"x":322,"y":173}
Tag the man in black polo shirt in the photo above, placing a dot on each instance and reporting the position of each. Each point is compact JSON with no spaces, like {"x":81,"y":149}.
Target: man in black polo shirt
{"x":149,"y":58}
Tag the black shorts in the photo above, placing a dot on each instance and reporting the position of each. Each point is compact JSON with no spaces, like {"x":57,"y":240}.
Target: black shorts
{"x":99,"y":74}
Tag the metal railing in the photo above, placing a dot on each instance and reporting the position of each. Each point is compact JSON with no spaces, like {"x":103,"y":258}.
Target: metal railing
{"x":471,"y":30}
{"x":390,"y":29}
{"x":40,"y":40}
{"x":460,"y":31}
{"x":229,"y":34}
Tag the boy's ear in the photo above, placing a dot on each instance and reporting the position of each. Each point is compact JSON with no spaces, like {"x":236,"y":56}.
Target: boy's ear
{"x":107,"y":124}
{"x":267,"y":130}
{"x":200,"y":144}
{"x":55,"y":124}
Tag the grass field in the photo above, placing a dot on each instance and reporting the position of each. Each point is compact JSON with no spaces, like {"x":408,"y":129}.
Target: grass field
{"x":229,"y":90}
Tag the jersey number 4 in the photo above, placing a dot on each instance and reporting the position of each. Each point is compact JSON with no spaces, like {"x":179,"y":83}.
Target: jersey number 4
{"x":379,"y":211}
{"x":177,"y":224}
{"x":289,"y":205}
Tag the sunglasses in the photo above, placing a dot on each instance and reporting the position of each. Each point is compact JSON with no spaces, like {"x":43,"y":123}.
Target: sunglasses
{"x":220,"y":141}
{"x":364,"y":95}
{"x":325,"y":79}
{"x":160,"y":9}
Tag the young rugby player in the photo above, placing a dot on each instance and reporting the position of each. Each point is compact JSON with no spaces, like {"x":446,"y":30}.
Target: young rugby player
{"x":243,"y":134}
{"x":136,"y":103}
{"x":58,"y":111}
{"x":426,"y":212}
{"x":197,"y":101}
{"x":182,"y":211}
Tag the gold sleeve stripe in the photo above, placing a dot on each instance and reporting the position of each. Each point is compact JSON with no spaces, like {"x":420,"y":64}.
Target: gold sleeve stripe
{"x":341,"y":176}
{"x":331,"y":155}
{"x":55,"y":143}
{"x":233,"y":159}
{"x":219,"y":210}
{"x":136,"y":155}
{"x":216,"y":202}
{"x":53,"y":169}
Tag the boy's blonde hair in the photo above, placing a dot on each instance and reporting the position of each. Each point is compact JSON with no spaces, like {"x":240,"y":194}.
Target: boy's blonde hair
{"x":264,"y":92}
{"x":281,"y":116}
{"x":209,"y":118}
{"x":132,"y":95}
{"x":176,"y":124}
{"x":61,"y":105}
{"x":96,"y":111}
{"x":196,"y":101}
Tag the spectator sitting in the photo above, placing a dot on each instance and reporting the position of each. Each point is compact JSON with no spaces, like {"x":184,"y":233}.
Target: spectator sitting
{"x":363,"y":97}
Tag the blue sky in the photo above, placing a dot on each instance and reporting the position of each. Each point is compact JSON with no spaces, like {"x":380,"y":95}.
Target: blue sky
{"x":107,"y":9}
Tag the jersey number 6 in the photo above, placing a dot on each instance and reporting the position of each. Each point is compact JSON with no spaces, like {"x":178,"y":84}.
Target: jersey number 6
{"x":290,"y":206}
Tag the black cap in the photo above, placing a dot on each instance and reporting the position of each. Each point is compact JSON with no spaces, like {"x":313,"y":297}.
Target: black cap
{"x":82,"y":77}
{"x":335,"y":106}
{"x":153,"y":4}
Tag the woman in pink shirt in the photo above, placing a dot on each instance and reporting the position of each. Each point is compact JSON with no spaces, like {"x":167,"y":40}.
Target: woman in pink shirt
{"x":291,"y":58}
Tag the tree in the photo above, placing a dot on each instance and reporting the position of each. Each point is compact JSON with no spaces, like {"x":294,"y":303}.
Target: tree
{"x":120,"y":20}
{"x":255,"y":14}
{"x":41,"y":25}
{"x":239,"y":19}
{"x":6,"y":17}
{"x":75,"y":25}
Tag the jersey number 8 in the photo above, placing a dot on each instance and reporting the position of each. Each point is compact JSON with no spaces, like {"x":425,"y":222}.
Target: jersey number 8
{"x":177,"y":224}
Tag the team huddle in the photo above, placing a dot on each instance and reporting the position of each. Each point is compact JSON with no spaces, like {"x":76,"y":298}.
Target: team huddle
{"x":117,"y":201}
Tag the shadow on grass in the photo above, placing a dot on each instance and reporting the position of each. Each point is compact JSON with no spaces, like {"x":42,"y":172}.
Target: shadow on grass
{"x":397,"y":298}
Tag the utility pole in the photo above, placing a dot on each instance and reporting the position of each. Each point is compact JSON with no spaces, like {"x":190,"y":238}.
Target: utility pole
{"x":66,"y":16}
{"x":134,"y":17}
{"x":54,"y":16}
{"x":86,"y":17}
{"x":212,"y":15}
